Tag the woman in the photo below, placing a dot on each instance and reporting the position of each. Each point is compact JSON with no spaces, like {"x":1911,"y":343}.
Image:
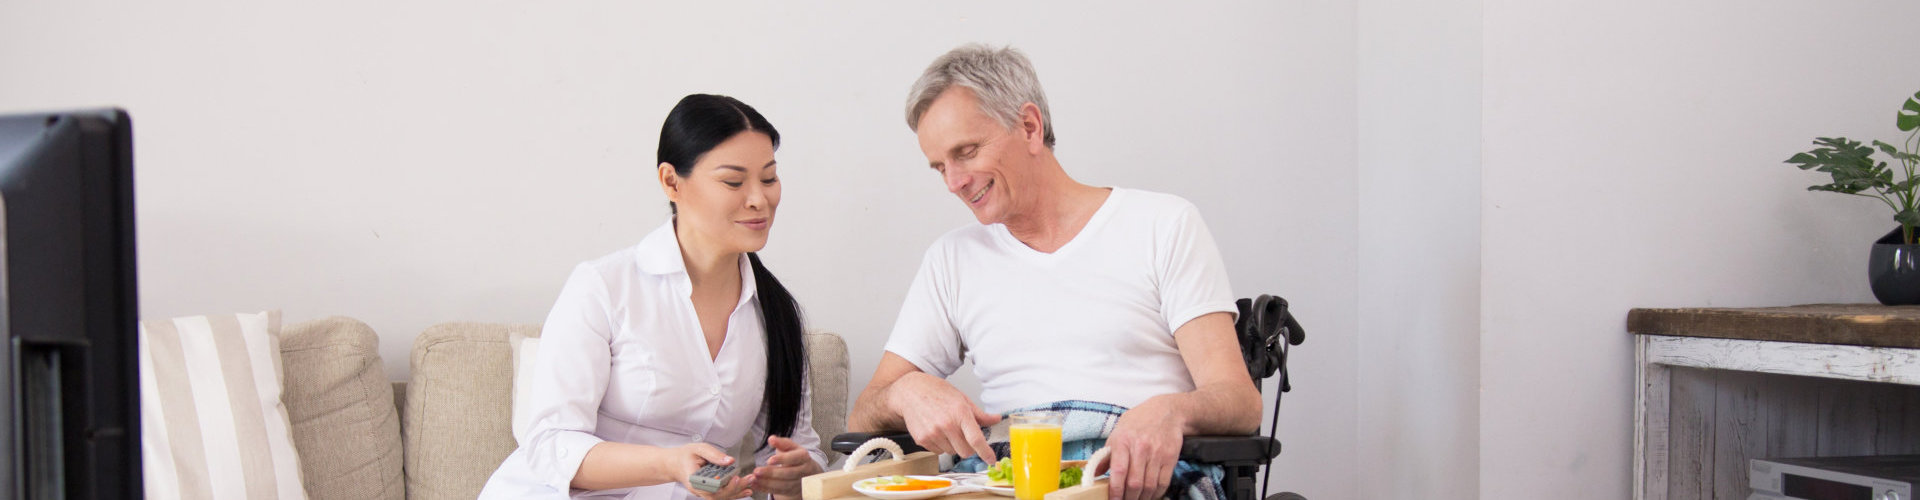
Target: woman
{"x":657,"y":358}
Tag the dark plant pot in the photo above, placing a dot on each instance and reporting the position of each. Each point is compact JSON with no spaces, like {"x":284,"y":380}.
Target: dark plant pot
{"x":1894,"y":270}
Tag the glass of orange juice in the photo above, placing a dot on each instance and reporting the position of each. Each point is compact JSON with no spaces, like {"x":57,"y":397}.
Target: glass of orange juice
{"x":1035,"y":437}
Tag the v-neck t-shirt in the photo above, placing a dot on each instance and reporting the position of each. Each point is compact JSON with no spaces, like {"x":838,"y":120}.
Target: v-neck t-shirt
{"x":1093,"y":320}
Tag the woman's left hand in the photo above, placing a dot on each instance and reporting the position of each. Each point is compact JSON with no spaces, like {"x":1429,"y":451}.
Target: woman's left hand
{"x":781,"y":475}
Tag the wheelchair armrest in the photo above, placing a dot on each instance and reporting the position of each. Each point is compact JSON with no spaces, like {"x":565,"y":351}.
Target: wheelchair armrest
{"x":848,"y":442}
{"x":1229,"y":450}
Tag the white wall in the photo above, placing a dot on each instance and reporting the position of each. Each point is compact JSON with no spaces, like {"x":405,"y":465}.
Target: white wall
{"x":409,"y":163}
{"x":1419,"y":272}
{"x":1461,"y":198}
{"x":1632,"y":158}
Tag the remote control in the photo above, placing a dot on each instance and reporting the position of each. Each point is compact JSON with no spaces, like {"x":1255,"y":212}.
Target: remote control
{"x":711,"y":477}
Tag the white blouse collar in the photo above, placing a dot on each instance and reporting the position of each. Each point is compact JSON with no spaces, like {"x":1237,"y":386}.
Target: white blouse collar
{"x":659,"y":254}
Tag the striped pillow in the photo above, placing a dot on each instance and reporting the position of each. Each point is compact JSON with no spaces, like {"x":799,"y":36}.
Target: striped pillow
{"x":211,"y":420}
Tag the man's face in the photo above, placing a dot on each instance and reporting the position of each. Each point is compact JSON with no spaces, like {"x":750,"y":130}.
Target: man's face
{"x":982,"y":162}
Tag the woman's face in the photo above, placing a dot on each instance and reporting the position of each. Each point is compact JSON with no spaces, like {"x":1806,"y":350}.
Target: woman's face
{"x":726,"y":203}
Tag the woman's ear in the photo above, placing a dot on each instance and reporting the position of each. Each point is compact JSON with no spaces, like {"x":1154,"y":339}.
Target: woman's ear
{"x":669,"y":182}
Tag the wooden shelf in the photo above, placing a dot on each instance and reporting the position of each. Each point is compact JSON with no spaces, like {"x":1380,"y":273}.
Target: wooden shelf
{"x":1871,"y":325}
{"x":1717,"y":386}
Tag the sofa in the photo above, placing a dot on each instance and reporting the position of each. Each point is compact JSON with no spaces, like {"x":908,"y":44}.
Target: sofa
{"x":440,"y":434}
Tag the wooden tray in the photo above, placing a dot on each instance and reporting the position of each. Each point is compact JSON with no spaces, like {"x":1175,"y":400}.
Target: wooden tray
{"x":838,"y":485}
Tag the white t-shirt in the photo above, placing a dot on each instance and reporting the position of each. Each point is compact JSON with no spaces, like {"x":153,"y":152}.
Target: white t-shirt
{"x":1092,"y":321}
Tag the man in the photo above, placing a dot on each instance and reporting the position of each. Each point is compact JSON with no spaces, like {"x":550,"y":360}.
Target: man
{"x":1064,"y":291}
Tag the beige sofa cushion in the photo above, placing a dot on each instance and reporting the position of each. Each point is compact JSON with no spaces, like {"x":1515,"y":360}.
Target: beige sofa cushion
{"x":457,"y":412}
{"x":342,"y":410}
{"x":827,"y":376}
{"x":458,"y":426}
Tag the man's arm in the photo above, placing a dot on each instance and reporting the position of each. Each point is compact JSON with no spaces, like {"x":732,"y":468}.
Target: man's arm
{"x":1224,"y":401}
{"x":940,"y":417}
{"x":870,"y":411}
{"x":1146,"y":442}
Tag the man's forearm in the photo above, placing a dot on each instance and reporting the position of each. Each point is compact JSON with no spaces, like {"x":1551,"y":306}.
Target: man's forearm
{"x":1217,"y":409}
{"x":871,"y":413}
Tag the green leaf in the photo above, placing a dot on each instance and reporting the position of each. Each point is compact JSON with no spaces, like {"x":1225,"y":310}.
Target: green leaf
{"x":1002,"y":472}
{"x":1886,"y":148}
{"x":1907,"y":217}
{"x":1909,"y":117}
{"x":1904,"y":185}
{"x":1834,"y":154}
{"x":1836,"y":188}
{"x":1069,"y":477}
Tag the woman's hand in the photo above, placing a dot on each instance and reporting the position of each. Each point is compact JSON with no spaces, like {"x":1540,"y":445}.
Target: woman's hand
{"x":790,"y":462}
{"x":688,"y":459}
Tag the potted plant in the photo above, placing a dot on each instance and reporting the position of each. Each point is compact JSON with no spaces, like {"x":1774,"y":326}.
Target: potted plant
{"x":1893,"y":267}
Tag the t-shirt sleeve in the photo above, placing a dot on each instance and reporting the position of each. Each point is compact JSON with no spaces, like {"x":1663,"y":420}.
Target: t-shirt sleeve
{"x":1193,"y":278}
{"x":924,"y":334}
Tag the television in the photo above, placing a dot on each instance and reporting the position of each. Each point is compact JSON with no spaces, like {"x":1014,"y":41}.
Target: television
{"x":70,"y":423}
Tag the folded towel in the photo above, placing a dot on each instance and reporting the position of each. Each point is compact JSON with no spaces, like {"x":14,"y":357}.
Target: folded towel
{"x":1084,"y":430}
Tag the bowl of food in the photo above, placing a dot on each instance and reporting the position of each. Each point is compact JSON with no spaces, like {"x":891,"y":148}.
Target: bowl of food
{"x":903,"y":487}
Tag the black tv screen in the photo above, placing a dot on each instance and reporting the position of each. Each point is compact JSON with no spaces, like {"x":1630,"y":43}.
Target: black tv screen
{"x":68,"y":308}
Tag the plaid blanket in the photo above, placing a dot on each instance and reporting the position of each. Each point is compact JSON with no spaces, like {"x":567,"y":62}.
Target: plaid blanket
{"x":1084,"y":431}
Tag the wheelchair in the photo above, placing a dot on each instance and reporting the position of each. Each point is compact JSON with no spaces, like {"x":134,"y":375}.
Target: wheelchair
{"x":1266,"y":331}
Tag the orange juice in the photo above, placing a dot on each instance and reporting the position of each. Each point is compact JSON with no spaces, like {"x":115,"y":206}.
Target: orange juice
{"x":1036,"y":457}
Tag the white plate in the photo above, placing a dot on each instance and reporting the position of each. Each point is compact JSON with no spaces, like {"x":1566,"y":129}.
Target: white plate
{"x":864,"y":486}
{"x":987,"y":484}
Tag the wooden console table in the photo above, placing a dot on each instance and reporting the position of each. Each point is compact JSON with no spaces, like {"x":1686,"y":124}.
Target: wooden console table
{"x":1717,"y":408}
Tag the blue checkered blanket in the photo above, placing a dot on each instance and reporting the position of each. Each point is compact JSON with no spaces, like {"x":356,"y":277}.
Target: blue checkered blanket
{"x":1084,"y":431}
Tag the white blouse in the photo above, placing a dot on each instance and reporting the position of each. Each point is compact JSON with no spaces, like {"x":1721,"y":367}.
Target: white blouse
{"x":622,"y":358}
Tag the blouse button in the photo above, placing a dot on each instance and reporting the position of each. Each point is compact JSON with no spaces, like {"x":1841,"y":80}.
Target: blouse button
{"x":715,"y":390}
{"x":696,"y":437}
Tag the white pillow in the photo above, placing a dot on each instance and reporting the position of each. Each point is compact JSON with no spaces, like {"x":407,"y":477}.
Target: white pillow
{"x":525,"y":350}
{"x":211,"y":421}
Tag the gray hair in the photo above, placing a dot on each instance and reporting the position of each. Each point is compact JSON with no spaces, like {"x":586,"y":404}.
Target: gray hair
{"x":1002,"y":79}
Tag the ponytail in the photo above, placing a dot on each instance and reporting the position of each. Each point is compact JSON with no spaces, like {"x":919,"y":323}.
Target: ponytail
{"x":786,"y":351}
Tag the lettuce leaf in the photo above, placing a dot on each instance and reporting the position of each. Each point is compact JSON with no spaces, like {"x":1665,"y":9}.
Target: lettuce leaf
{"x":1001,"y":474}
{"x":1069,"y":477}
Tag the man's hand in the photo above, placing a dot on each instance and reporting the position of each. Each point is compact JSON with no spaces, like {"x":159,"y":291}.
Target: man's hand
{"x":687,"y":459}
{"x":940,"y":417}
{"x":1142,"y":450}
{"x":790,"y":462}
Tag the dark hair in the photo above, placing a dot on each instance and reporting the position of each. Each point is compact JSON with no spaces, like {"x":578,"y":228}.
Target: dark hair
{"x":694,"y":127}
{"x":702,"y":121}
